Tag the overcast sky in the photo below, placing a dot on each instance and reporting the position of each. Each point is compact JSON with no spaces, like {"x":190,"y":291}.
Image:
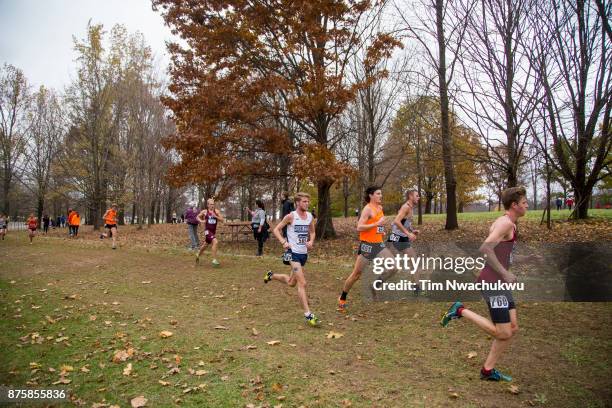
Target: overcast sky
{"x":36,"y":35}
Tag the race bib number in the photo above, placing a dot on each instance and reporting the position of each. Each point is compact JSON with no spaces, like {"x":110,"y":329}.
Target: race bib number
{"x":380,"y":229}
{"x":302,"y":239}
{"x":394,"y":238}
{"x":498,"y":302}
{"x":367,"y":249}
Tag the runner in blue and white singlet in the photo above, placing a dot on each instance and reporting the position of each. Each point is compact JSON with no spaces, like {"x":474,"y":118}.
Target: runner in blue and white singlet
{"x":297,"y":234}
{"x":300,"y":238}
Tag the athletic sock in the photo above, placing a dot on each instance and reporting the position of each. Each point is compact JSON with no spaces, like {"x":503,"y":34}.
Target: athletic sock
{"x":486,"y":372}
{"x":460,"y":311}
{"x":307,"y":314}
{"x":343,"y":295}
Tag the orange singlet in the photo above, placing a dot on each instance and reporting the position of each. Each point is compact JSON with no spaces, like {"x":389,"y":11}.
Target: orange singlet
{"x":373,"y":235}
{"x":110,"y":217}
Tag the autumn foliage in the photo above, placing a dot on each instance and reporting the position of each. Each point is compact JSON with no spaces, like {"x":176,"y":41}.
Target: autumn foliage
{"x":261,"y":78}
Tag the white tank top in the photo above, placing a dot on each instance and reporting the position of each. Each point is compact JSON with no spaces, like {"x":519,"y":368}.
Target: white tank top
{"x":297,"y":233}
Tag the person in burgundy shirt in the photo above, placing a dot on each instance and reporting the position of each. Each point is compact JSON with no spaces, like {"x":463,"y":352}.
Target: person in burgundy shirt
{"x":499,"y":251}
{"x":210,"y":217}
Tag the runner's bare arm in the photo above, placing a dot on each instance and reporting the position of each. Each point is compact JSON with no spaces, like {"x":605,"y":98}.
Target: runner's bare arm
{"x":279,"y":228}
{"x":500,"y":231}
{"x":312,"y":233}
{"x":364,"y":217}
{"x":200,"y":217}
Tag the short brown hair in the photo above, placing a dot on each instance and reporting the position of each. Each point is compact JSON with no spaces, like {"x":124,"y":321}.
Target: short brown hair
{"x":299,"y":196}
{"x":512,"y":195}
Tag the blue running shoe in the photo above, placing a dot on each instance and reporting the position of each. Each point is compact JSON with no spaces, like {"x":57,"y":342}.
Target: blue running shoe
{"x":495,"y":376}
{"x":451,"y":314}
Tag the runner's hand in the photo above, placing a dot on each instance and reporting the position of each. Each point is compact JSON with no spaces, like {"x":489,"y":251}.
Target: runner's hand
{"x":286,"y":245}
{"x":380,"y":222}
{"x":510,"y":277}
{"x":309,"y":244}
{"x":412,"y":236}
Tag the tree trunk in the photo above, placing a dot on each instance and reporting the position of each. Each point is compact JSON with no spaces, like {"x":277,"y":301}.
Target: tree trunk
{"x":40,"y":207}
{"x":325,"y":226}
{"x":133,"y":220}
{"x":428,"y":199}
{"x":447,"y":142}
{"x":345,"y":193}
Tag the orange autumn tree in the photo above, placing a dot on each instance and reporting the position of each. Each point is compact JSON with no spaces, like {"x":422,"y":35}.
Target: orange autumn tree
{"x":256,"y":78}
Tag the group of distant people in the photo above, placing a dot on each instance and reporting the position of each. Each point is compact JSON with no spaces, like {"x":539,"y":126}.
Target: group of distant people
{"x":569,"y":202}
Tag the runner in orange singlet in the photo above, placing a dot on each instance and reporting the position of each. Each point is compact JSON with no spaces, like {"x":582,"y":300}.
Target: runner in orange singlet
{"x":371,"y":227}
{"x":32,"y":224}
{"x":110,"y":223}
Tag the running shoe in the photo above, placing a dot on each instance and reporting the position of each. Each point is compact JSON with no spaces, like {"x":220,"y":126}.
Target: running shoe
{"x":451,"y":314}
{"x":215,"y":262}
{"x":101,"y":236}
{"x":495,"y":376}
{"x":268,"y":277}
{"x":197,"y":259}
{"x":312,"y":320}
{"x":342,"y":306}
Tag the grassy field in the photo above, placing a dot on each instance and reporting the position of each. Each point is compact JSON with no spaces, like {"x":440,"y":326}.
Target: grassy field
{"x":535,"y":215}
{"x":80,"y":316}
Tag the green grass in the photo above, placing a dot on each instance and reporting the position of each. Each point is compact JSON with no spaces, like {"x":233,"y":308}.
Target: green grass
{"x":389,"y":355}
{"x":531,"y":215}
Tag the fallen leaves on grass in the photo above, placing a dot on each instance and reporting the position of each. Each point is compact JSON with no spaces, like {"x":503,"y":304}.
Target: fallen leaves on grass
{"x":128,"y":369}
{"x":138,"y":402}
{"x":472,"y":354}
{"x":334,"y":335}
{"x":123,"y":355}
{"x":164,"y":334}
{"x":514,"y":389}
{"x":273,"y":342}
{"x":221,"y":328}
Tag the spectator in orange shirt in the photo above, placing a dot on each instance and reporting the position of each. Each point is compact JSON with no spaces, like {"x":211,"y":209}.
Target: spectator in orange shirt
{"x":71,"y":214}
{"x":76,"y":222}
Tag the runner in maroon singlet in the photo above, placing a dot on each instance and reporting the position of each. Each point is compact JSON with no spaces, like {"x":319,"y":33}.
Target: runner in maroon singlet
{"x":209,"y":217}
{"x":498,"y":249}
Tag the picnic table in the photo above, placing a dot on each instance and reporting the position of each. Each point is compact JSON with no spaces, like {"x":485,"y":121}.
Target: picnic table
{"x":237,"y":229}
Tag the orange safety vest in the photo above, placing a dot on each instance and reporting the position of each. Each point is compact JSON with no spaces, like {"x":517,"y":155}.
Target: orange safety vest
{"x":376,"y":234}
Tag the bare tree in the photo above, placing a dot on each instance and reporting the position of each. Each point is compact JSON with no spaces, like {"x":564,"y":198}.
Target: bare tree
{"x":14,"y":100}
{"x":574,"y":61}
{"x":501,"y":94}
{"x":46,"y":131}
{"x":441,"y":35}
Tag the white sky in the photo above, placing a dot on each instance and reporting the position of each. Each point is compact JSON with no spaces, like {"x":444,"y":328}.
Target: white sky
{"x":36,"y":35}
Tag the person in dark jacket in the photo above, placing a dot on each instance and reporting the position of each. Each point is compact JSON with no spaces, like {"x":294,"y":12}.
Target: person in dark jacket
{"x":287,"y":208}
{"x":191,"y":218}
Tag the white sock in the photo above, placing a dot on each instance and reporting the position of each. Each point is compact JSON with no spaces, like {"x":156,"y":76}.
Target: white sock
{"x":307,"y":314}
